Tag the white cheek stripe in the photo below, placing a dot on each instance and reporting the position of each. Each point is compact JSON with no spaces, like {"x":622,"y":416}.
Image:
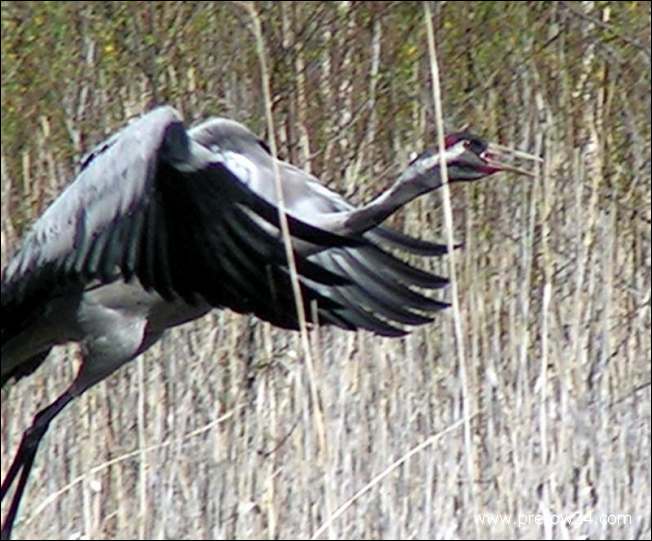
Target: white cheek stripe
{"x":450,"y":154}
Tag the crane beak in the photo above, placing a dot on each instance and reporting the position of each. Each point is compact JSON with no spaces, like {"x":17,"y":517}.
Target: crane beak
{"x":501,"y":158}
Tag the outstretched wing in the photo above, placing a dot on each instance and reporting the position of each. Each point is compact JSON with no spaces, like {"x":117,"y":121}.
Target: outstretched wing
{"x":383,"y":292}
{"x":194,"y":215}
{"x":152,"y":203}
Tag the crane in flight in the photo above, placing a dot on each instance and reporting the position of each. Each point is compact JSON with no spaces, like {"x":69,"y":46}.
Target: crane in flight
{"x":163,"y":224}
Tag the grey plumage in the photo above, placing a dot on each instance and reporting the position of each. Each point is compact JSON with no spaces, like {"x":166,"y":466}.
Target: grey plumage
{"x":163,"y":223}
{"x":191,"y":216}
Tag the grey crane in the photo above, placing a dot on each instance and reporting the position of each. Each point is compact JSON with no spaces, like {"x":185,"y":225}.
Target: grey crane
{"x":162,"y":224}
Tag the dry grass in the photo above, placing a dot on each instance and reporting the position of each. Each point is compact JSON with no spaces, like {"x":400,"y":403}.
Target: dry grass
{"x":213,"y":433}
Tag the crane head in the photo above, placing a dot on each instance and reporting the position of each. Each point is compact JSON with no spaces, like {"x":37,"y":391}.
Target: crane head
{"x":469,"y":157}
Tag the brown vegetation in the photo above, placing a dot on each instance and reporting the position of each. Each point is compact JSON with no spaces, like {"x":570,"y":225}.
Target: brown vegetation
{"x":220,"y":431}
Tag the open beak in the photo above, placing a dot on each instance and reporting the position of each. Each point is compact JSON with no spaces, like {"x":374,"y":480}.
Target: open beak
{"x":495,"y":155}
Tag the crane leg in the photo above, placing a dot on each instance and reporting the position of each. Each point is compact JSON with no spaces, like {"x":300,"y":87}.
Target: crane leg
{"x":24,"y":457}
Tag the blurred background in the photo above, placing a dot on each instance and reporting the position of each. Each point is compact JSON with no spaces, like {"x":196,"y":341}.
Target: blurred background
{"x":215,"y":433}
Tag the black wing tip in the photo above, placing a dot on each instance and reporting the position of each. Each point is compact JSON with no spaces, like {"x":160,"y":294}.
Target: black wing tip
{"x":407,"y":243}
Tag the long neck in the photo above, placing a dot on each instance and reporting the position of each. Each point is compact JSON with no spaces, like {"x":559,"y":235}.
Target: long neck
{"x":419,"y":178}
{"x":422,"y":176}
